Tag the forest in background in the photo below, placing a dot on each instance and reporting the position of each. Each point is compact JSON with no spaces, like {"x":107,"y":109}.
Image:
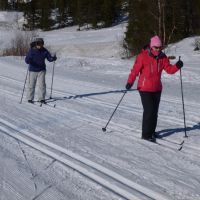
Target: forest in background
{"x":172,"y":20}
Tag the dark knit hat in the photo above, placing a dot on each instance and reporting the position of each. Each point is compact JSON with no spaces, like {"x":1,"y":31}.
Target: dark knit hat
{"x":39,"y":41}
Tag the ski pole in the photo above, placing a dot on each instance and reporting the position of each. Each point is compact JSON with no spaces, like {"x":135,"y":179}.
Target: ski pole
{"x":24,"y":87}
{"x":52,"y":80}
{"x":183,"y":101}
{"x":104,"y":128}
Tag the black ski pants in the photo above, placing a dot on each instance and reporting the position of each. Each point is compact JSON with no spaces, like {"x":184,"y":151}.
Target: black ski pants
{"x":150,"y":102}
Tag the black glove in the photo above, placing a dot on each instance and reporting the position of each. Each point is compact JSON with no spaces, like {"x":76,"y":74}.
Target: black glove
{"x":179,"y":64}
{"x":54,"y":58}
{"x":128,"y":86}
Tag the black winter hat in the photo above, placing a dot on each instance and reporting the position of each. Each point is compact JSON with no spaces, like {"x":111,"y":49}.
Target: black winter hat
{"x":39,"y":41}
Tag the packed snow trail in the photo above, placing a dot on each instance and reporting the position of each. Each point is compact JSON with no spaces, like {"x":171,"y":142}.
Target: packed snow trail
{"x":5,"y":126}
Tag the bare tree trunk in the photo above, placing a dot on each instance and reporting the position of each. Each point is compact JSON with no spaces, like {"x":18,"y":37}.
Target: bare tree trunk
{"x":163,"y":21}
{"x":170,"y":36}
{"x":159,"y":18}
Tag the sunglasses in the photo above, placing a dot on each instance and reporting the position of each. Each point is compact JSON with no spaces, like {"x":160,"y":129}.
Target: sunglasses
{"x":157,"y":48}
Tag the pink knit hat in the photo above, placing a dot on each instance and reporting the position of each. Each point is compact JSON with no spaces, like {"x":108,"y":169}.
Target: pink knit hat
{"x":155,"y":42}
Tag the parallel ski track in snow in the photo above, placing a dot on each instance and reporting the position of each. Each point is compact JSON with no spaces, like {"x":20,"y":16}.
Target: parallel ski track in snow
{"x":92,"y":99}
{"x":96,"y":101}
{"x":131,"y":109}
{"x":188,"y":150}
{"x":116,"y":126}
{"x":101,"y":175}
{"x":128,"y":109}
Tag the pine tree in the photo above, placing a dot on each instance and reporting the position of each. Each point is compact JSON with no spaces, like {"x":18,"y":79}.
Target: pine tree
{"x":60,"y":13}
{"x":141,"y":25}
{"x":194,"y":19}
{"x":64,"y":14}
{"x":97,"y":11}
{"x":108,"y":12}
{"x":82,"y":12}
{"x":31,"y":15}
{"x":172,"y":21}
{"x":120,"y":9}
{"x":94,"y":12}
{"x":45,"y":11}
{"x":38,"y":15}
{"x":3,"y":4}
{"x":183,"y":20}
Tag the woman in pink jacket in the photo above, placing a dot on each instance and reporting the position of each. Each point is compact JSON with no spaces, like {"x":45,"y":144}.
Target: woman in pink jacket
{"x":148,"y":66}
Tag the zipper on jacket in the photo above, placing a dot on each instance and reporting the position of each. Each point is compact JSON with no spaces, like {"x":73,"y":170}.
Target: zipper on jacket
{"x":158,"y":66}
{"x":151,"y":67}
{"x":143,"y":82}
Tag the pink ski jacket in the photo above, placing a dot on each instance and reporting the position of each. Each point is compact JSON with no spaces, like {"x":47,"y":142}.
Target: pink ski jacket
{"x":149,"y":69}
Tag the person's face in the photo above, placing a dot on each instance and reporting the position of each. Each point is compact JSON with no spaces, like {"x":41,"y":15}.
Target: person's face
{"x":156,"y":48}
{"x":39,"y":45}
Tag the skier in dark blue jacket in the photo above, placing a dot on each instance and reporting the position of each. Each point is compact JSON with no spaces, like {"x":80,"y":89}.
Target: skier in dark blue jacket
{"x":37,"y":69}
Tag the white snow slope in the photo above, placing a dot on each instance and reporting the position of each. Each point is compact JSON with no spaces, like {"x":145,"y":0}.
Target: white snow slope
{"x":61,"y":153}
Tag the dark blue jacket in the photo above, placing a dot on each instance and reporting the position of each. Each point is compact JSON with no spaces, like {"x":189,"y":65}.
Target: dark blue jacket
{"x":36,"y":59}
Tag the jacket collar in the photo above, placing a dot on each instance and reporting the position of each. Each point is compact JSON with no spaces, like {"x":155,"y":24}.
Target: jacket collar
{"x":159,"y":56}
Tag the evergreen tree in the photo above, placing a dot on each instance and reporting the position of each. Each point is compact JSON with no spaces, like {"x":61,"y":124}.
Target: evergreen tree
{"x":172,"y":21}
{"x":82,"y":17}
{"x":44,"y":11}
{"x":175,"y":24}
{"x":64,"y":15}
{"x":31,"y":15}
{"x":97,"y":11}
{"x":38,"y":15}
{"x":183,"y":20}
{"x":94,"y":12}
{"x":120,"y":9}
{"x":3,"y":4}
{"x":141,"y":25}
{"x":195,"y":17}
{"x":108,"y":12}
{"x":91,"y":13}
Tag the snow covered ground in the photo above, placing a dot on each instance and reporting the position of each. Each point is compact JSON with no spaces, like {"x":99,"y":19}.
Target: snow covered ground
{"x":61,"y":153}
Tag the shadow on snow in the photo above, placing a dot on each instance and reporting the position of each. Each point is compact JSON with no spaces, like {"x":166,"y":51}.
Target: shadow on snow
{"x":168,"y":132}
{"x":86,"y":95}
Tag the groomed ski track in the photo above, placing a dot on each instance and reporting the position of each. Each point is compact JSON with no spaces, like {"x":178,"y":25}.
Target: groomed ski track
{"x":63,"y":98}
{"x":82,"y":109}
{"x":92,"y":170}
{"x":122,"y":189}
